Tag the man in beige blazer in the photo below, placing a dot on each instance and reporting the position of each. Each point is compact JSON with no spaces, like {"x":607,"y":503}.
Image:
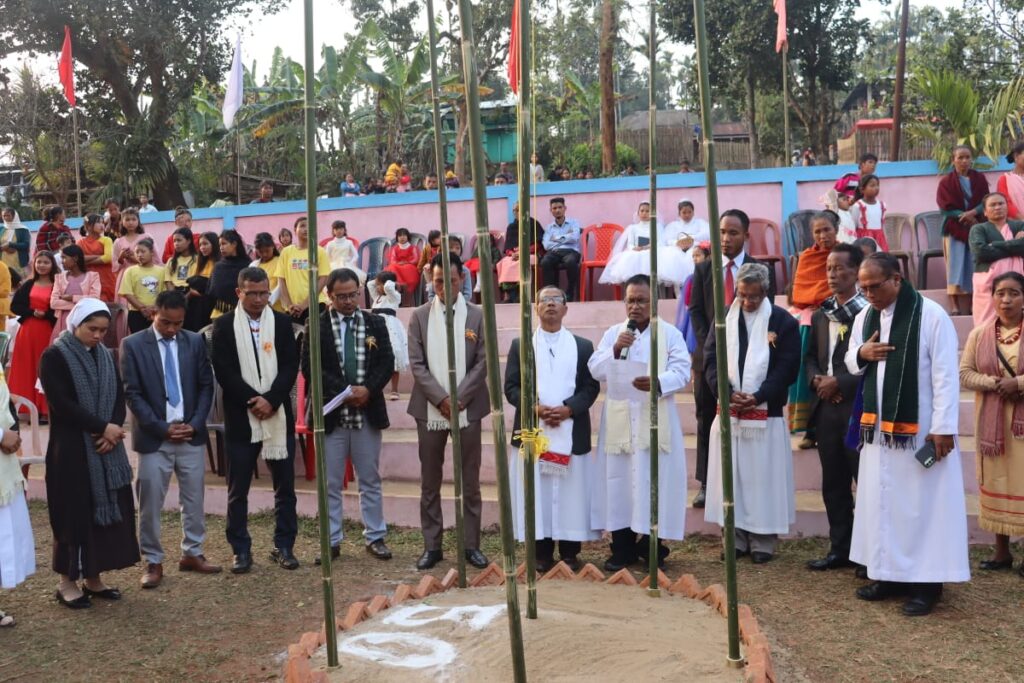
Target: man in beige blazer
{"x":430,"y":406}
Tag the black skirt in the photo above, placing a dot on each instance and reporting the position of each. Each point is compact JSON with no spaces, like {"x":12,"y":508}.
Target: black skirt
{"x":105,"y":548}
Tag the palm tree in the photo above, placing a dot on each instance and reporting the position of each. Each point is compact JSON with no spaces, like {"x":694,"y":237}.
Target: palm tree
{"x":954,"y":117}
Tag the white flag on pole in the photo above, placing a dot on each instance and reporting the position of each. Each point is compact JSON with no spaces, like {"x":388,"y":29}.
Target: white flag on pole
{"x":233,"y":94}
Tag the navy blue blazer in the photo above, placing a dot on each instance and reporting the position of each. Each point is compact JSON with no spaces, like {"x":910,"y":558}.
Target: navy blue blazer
{"x":146,"y":396}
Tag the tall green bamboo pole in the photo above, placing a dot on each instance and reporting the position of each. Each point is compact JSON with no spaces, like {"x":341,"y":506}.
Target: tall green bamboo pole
{"x":494,"y":383}
{"x":453,"y":382}
{"x":316,"y":377}
{"x":652,"y":551}
{"x":723,"y":373}
{"x":527,"y":366}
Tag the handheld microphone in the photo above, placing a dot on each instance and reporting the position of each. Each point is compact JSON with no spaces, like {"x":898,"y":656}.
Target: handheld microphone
{"x":624,"y":351}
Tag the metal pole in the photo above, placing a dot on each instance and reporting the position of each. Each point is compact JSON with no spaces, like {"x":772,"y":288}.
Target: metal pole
{"x":897,"y":97}
{"x":787,"y":136}
{"x":494,"y":383}
{"x":78,"y":168}
{"x":728,"y":531}
{"x":652,"y":551}
{"x":453,"y":383}
{"x":316,"y":397}
{"x":528,"y":365}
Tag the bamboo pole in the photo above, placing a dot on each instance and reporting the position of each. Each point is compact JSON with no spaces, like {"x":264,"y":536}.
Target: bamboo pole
{"x":494,"y":383}
{"x":527,"y":365}
{"x":897,"y":98}
{"x":316,"y":397}
{"x":652,"y":551}
{"x":787,"y":136}
{"x":238,"y":166}
{"x":453,"y":382}
{"x":78,"y":168}
{"x":728,"y":532}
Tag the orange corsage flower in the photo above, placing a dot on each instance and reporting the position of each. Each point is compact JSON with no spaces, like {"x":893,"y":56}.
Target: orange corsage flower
{"x":471,"y":335}
{"x":371,"y":342}
{"x":268,"y":347}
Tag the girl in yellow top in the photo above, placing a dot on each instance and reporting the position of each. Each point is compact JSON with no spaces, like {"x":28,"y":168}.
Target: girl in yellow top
{"x":99,"y":254}
{"x":293,"y":271}
{"x":140,"y":285}
{"x":180,"y":265}
{"x":200,"y":304}
{"x":268,"y":261}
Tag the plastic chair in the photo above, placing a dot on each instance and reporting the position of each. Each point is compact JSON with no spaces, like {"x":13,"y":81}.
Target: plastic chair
{"x":418,"y":240}
{"x":599,"y":240}
{"x":798,"y":231}
{"x":760,"y":249}
{"x":931,"y":223}
{"x":896,"y":224}
{"x":373,"y":255}
{"x":215,"y":448}
{"x":36,"y":456}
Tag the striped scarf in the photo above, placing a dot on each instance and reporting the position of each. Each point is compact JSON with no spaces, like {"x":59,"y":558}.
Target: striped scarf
{"x":349,"y":417}
{"x":899,"y":426}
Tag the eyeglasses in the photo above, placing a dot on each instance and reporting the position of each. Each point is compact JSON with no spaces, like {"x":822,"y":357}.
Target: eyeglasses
{"x":551,"y":300}
{"x":637,"y":302}
{"x":262,"y":294}
{"x":876,"y":286}
{"x":350,"y":296}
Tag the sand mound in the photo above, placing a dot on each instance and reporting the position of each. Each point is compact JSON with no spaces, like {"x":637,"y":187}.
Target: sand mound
{"x":585,"y":632}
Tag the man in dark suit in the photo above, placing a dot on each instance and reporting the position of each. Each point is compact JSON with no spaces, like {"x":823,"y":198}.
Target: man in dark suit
{"x":565,"y":392}
{"x":430,"y":406}
{"x":355,"y":353}
{"x":734,"y":227}
{"x":834,"y":391}
{"x":256,"y":361}
{"x":168,"y":385}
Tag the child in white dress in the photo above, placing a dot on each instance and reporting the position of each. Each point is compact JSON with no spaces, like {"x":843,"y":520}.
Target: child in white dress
{"x":631,"y":254}
{"x":342,"y":253}
{"x":385,"y":301}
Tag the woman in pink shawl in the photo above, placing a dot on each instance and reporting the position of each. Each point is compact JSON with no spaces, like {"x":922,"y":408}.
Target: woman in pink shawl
{"x":997,"y":246}
{"x":1011,"y":183}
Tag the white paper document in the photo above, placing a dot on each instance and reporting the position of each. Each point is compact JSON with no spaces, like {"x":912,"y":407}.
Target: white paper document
{"x":331,"y":405}
{"x":620,"y":380}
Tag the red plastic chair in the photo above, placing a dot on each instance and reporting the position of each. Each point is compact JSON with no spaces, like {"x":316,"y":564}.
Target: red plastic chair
{"x":770,"y":254}
{"x":305,"y":433}
{"x":599,"y":240}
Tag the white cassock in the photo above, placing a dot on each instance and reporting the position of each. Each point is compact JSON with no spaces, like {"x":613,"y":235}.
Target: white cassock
{"x":622,"y":481}
{"x":911,"y":522}
{"x":562,"y":501}
{"x":762,"y":457}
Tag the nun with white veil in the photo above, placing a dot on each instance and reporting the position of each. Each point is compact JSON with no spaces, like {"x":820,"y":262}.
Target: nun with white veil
{"x":631,"y":255}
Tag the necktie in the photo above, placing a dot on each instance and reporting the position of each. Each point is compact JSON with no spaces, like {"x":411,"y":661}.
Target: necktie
{"x":170,"y":374}
{"x":730,"y":285}
{"x":351,"y":365}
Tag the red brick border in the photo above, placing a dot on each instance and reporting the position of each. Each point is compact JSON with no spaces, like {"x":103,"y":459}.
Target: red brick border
{"x":758,"y":667}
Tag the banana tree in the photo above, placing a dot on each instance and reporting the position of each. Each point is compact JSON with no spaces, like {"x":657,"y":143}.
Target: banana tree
{"x":954,"y":115}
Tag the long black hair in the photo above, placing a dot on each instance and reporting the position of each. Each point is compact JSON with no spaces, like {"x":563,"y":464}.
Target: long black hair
{"x":214,"y":256}
{"x":187,"y":235}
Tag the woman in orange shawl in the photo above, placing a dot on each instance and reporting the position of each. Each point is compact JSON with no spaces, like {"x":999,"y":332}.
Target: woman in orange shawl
{"x":810,"y":288}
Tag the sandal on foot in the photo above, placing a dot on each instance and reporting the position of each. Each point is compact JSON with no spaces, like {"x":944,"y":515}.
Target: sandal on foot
{"x":6,"y":620}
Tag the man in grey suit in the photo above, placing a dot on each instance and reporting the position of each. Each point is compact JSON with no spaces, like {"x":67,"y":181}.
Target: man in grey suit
{"x":168,"y":385}
{"x":428,"y":359}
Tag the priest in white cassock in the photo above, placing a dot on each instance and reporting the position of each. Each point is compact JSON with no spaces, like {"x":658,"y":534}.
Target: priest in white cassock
{"x":763,"y":348}
{"x":565,"y":470}
{"x":910,"y":530}
{"x":621,"y":500}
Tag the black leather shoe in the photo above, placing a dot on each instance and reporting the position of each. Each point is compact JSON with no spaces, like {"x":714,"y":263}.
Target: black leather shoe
{"x":699,"y":499}
{"x":335,"y":554}
{"x":613,"y":564}
{"x":476,"y":558}
{"x":861,"y":572}
{"x":428,"y":559}
{"x":284,"y":558}
{"x":921,"y":603}
{"x":996,"y":565}
{"x":882,"y":590}
{"x":573,"y":563}
{"x":544,"y":564}
{"x":830,"y":561}
{"x":739,"y":554}
{"x":242,"y":563}
{"x":106,"y":593}
{"x":81,"y":602}
{"x":379,"y":549}
{"x":758,"y":557}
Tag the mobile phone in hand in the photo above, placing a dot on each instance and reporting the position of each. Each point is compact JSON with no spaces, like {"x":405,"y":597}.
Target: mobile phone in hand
{"x":926,"y":455}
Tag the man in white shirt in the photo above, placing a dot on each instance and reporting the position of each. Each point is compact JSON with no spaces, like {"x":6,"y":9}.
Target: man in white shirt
{"x":145,"y":206}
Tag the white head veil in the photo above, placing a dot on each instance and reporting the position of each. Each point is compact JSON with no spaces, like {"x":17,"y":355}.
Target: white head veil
{"x":83,"y":309}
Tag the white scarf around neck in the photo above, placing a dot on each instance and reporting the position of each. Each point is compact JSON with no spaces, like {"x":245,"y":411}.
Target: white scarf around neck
{"x":751,"y":424}
{"x":437,"y":356}
{"x":618,"y":415}
{"x":556,"y":358}
{"x":260,"y":373}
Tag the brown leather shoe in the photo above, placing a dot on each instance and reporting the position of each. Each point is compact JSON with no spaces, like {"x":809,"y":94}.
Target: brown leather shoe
{"x":153,"y":576}
{"x":197,"y":563}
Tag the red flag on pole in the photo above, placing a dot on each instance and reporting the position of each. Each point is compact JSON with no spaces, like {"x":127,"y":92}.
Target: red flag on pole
{"x":781,"y":40}
{"x":66,"y":68}
{"x":513,"y":50}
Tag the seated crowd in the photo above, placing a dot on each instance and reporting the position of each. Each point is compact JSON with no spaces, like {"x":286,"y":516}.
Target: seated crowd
{"x":867,"y":366}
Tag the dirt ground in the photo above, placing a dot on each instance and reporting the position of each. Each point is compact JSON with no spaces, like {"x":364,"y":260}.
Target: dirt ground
{"x":236,"y":628}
